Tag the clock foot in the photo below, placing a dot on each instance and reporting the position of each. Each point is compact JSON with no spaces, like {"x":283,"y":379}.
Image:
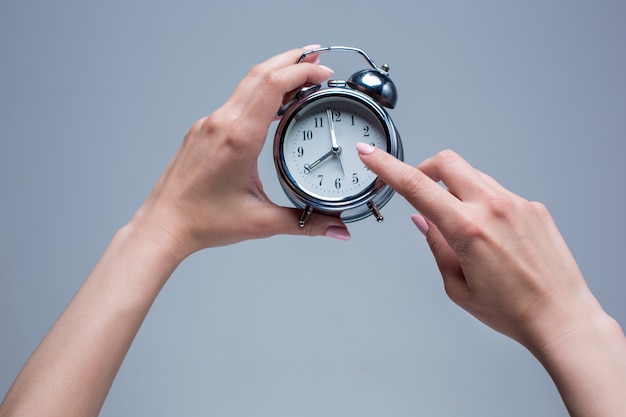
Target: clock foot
{"x":375,"y":212}
{"x":305,"y":215}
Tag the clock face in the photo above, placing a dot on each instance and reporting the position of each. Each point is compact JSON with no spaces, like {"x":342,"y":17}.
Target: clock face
{"x":319,"y":148}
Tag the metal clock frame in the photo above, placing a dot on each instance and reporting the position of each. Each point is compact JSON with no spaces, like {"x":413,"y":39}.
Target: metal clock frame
{"x":352,"y":208}
{"x":372,"y":88}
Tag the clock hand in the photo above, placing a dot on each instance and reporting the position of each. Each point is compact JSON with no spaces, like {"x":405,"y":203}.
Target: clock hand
{"x":333,"y":137}
{"x":310,"y":167}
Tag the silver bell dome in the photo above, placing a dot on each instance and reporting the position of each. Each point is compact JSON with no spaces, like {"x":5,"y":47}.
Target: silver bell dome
{"x":377,"y":84}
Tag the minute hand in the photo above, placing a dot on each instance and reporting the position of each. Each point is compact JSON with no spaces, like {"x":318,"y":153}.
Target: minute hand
{"x":333,"y":137}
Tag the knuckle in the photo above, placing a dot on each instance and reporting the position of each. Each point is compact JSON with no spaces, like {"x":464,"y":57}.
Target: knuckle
{"x":445,"y":157}
{"x":214,"y":123}
{"x":469,"y":230}
{"x":196,"y":130}
{"x":257,"y":71}
{"x":500,"y":206}
{"x":236,"y":136}
{"x":270,"y":81}
{"x":210,"y":125}
{"x":223,"y":126}
{"x":540,"y":209}
{"x":264,"y":76}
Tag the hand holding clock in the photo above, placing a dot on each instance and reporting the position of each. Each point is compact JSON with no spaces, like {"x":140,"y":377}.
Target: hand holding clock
{"x":504,"y":261}
{"x":209,"y":195}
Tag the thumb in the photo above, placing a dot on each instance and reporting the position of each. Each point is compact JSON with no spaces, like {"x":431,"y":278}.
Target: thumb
{"x":447,"y":262}
{"x":286,"y":221}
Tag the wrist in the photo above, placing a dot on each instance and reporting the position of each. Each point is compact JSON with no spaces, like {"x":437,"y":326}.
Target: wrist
{"x":85,"y":348}
{"x":588,"y":327}
{"x":157,"y":238}
{"x":559,"y":321}
{"x":588,"y":365}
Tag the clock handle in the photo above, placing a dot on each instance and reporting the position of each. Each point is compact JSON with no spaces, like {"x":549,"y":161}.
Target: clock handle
{"x":374,"y":81}
{"x":385,"y":67}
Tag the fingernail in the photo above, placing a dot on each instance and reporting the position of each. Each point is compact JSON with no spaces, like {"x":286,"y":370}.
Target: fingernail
{"x":420,"y":222}
{"x":325,"y":68}
{"x":338,"y":233}
{"x":364,"y":148}
{"x":312,"y":46}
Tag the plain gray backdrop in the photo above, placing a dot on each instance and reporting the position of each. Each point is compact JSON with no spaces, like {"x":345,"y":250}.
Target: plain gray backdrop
{"x":95,"y":98}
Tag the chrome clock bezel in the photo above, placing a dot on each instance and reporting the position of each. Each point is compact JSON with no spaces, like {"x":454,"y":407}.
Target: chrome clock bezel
{"x":351,"y":208}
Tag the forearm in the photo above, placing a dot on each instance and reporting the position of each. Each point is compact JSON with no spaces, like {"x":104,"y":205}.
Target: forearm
{"x":588,"y":366}
{"x":72,"y":370}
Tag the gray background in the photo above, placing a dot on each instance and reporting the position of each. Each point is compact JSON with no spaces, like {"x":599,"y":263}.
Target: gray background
{"x":95,"y":98}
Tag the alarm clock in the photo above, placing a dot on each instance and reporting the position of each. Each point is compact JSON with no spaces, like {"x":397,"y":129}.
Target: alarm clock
{"x":314,"y":150}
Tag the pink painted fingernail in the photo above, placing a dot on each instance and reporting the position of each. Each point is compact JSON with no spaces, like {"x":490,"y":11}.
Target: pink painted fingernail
{"x":364,"y":148}
{"x":325,"y":68}
{"x":338,"y":233}
{"x":312,"y":46}
{"x":420,"y":222}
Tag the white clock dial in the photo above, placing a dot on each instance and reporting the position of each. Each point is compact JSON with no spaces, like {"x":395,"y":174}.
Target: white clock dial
{"x":319,"y":148}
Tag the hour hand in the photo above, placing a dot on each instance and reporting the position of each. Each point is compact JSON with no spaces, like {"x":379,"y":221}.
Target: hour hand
{"x":310,"y":167}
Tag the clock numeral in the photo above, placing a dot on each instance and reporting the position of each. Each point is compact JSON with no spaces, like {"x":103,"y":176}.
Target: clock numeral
{"x":337,"y":116}
{"x":300,"y":151}
{"x":307,"y":169}
{"x":338,"y":183}
{"x":307,"y":135}
{"x":355,"y":178}
{"x":319,"y":122}
{"x":352,"y":117}
{"x":321,"y":178}
{"x":366,"y":130}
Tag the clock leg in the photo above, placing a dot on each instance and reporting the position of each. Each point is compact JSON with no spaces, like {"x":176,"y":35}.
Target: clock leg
{"x":372,"y":206}
{"x":305,"y":215}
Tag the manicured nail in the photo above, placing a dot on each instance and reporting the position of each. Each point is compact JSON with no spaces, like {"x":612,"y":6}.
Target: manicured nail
{"x":421,"y":224}
{"x":312,"y":46}
{"x":364,"y":148}
{"x":338,"y":233}
{"x":325,"y":68}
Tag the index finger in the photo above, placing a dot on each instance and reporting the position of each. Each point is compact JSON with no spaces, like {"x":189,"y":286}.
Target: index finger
{"x":286,"y":58}
{"x":422,"y":192}
{"x":261,"y":93}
